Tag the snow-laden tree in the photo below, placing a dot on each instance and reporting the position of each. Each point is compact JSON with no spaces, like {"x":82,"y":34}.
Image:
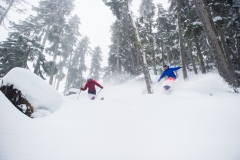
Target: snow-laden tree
{"x":17,"y":50}
{"x":68,"y":44}
{"x":11,"y":4}
{"x":77,"y":67}
{"x":96,"y":69}
{"x":117,"y":6}
{"x":225,"y":67}
{"x":147,"y":13}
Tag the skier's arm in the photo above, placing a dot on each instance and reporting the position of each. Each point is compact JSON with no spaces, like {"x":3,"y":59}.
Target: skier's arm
{"x":95,"y":82}
{"x":85,"y":87}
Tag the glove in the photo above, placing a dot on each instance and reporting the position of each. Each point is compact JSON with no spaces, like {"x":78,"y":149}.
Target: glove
{"x":81,"y":88}
{"x":102,"y":88}
{"x":159,"y":80}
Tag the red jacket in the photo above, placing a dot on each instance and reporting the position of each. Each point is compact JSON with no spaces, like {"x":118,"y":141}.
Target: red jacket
{"x":91,"y":85}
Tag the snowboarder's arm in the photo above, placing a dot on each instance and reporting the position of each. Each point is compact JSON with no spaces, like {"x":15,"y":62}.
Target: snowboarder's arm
{"x":176,"y":68}
{"x":163,"y":74}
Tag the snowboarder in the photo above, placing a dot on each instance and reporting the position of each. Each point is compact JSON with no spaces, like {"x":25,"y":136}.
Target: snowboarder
{"x":90,"y":84}
{"x":169,"y":72}
{"x":171,"y":75}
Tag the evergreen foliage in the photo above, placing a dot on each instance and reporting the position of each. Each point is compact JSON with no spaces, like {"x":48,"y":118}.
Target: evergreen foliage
{"x":96,"y":69}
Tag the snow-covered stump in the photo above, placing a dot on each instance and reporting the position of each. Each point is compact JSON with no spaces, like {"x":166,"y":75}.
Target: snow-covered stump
{"x":17,"y":99}
{"x":43,"y":97}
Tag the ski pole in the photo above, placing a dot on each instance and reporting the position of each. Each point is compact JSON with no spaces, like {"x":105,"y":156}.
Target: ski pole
{"x":98,"y":93}
{"x":79,"y":94}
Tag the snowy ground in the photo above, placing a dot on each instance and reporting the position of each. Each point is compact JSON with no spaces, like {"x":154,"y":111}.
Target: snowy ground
{"x":199,"y":119}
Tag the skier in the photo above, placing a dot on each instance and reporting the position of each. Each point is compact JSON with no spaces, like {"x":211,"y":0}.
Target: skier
{"x":169,"y":72}
{"x":90,"y":84}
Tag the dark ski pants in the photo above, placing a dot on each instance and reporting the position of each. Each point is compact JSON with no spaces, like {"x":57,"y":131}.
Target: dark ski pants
{"x":92,"y":92}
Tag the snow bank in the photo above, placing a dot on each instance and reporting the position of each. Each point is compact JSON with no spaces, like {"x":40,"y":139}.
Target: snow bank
{"x":40,"y":94}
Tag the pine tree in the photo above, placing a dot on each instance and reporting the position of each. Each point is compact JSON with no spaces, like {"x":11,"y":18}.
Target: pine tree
{"x":95,"y":69}
{"x":147,"y":13}
{"x":77,"y":67}
{"x":116,"y":7}
{"x":16,"y":51}
{"x":11,"y":4}
{"x":68,"y":43}
{"x":224,"y":68}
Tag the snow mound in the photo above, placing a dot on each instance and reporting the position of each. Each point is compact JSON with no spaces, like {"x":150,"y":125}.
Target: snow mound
{"x":40,"y":94}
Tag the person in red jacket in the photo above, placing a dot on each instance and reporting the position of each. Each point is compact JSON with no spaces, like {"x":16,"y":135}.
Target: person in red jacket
{"x":90,"y":84}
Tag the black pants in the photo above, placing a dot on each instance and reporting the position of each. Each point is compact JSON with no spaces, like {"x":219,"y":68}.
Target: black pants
{"x":92,"y":92}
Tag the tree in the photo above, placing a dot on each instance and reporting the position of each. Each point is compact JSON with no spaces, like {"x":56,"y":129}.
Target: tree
{"x":68,"y":43}
{"x":11,"y":3}
{"x":147,"y":12}
{"x":77,"y":67}
{"x":16,"y":51}
{"x":224,"y":68}
{"x":116,"y":7}
{"x":96,"y":69}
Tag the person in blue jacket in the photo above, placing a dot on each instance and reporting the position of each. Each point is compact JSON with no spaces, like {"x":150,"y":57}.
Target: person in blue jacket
{"x":169,"y":72}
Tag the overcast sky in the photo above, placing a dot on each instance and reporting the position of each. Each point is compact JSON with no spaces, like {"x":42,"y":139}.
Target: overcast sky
{"x":95,"y":17}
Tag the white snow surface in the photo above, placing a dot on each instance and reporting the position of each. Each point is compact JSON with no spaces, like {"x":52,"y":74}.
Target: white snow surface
{"x":198,"y":119}
{"x":42,"y":96}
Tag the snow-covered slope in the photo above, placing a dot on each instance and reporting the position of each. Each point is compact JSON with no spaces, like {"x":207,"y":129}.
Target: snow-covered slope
{"x":198,"y":120}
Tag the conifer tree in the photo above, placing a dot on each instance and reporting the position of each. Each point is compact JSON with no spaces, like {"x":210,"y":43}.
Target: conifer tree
{"x":147,"y":13}
{"x":68,"y":43}
{"x":77,"y":67}
{"x":11,"y":4}
{"x":95,"y":69}
{"x":116,"y":7}
{"x":16,"y":51}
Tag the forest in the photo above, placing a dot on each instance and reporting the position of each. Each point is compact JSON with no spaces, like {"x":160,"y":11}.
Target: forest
{"x":199,"y":35}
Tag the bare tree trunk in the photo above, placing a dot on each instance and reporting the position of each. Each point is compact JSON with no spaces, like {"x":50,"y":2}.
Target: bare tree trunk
{"x":118,"y":49}
{"x":139,"y":50}
{"x":132,"y":58}
{"x":153,"y":59}
{"x":26,"y":54}
{"x":224,"y":69}
{"x":6,"y":12}
{"x":200,"y":57}
{"x":163,"y":60}
{"x":181,"y":43}
{"x":54,"y":61}
{"x":191,"y":56}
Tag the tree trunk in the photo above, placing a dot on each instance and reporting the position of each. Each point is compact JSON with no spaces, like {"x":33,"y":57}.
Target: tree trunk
{"x":153,"y":59}
{"x":54,"y":61}
{"x":200,"y":57}
{"x":6,"y":12}
{"x":26,"y":54}
{"x":181,"y":44}
{"x":118,"y":49}
{"x":143,"y":60}
{"x":163,"y":61}
{"x":224,"y":69}
{"x":191,"y":56}
{"x":153,"y":51}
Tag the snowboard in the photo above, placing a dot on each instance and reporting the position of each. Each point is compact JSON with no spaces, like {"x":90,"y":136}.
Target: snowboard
{"x":166,"y":87}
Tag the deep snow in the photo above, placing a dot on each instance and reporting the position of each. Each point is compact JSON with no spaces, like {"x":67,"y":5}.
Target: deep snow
{"x":199,"y":119}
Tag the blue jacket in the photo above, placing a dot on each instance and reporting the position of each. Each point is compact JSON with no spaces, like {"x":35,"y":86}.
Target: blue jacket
{"x":169,"y":72}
